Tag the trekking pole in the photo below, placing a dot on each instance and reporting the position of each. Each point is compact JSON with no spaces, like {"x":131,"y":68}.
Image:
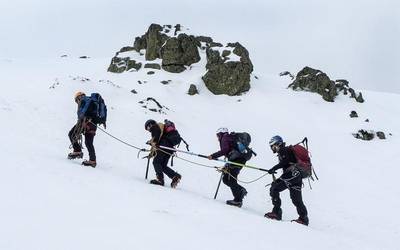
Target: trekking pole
{"x":224,"y":161}
{"x":147,"y":168}
{"x":219,"y":183}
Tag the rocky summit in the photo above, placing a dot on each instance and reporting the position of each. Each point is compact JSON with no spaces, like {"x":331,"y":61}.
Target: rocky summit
{"x":169,"y":48}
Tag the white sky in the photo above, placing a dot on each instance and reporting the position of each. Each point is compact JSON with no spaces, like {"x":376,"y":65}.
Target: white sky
{"x":355,"y":40}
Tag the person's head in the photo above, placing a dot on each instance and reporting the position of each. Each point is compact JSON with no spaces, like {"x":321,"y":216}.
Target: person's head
{"x":148,"y":124}
{"x":79,"y":96}
{"x":221,"y":131}
{"x":276,"y":143}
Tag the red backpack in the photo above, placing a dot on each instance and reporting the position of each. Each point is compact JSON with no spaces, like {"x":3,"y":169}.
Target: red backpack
{"x":303,"y":159}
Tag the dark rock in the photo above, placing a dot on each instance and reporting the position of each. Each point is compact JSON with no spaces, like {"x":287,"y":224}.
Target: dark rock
{"x":353,"y":114}
{"x":151,"y":73}
{"x":179,"y":52}
{"x":125,"y":49}
{"x":152,"y":66}
{"x":359,"y":98}
{"x":165,"y":82}
{"x":154,"y":40}
{"x":204,"y":39}
{"x":381,"y":135}
{"x":174,"y":68}
{"x":364,"y":135}
{"x":286,"y":73}
{"x":140,"y":82}
{"x":140,"y":43}
{"x":214,"y":44}
{"x":193,"y":90}
{"x":177,"y":29}
{"x":366,"y":120}
{"x":226,"y":53}
{"x":133,"y":91}
{"x":84,"y":57}
{"x":256,"y":77}
{"x":313,"y":80}
{"x":230,"y":78}
{"x":119,"y":65}
{"x":64,"y":56}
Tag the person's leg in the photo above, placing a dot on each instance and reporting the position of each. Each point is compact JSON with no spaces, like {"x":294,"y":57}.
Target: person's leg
{"x":72,"y":139}
{"x":277,"y":187}
{"x":89,"y":138}
{"x":297,"y":199}
{"x":237,"y":190}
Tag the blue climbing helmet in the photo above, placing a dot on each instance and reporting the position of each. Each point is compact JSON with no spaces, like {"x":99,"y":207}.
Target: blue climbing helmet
{"x":276,"y":140}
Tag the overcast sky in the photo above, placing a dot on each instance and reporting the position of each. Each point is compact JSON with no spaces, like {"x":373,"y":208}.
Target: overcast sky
{"x":355,"y":40}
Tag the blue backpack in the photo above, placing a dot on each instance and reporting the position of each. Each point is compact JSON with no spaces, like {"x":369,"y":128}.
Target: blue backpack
{"x":98,"y":109}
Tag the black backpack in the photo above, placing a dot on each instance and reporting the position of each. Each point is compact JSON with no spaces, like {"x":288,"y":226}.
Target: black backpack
{"x":171,"y":134}
{"x":241,"y":146}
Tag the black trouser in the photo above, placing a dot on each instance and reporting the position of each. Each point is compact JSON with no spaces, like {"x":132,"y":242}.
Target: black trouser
{"x":160,"y":163}
{"x":90,"y":132}
{"x":230,"y":179}
{"x":293,"y":181}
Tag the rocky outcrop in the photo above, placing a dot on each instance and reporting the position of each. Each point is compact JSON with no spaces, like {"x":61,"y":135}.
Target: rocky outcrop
{"x":119,"y":65}
{"x":179,"y":52}
{"x":226,"y":76}
{"x":314,"y":80}
{"x":228,"y":67}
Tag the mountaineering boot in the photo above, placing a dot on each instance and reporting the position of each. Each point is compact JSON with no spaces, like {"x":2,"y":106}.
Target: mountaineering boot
{"x":175,"y":180}
{"x":89,"y":163}
{"x":274,"y":215}
{"x":243,"y":194}
{"x":75,"y":155}
{"x":234,"y":203}
{"x":158,"y":181}
{"x":303,"y":221}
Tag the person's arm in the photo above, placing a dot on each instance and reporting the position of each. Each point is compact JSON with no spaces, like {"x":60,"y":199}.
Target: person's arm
{"x":155,"y":134}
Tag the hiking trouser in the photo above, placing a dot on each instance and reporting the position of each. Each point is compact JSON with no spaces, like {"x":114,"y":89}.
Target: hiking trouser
{"x":160,"y":163}
{"x":230,"y":179}
{"x":72,"y":138}
{"x":293,"y":182}
{"x":89,"y":133}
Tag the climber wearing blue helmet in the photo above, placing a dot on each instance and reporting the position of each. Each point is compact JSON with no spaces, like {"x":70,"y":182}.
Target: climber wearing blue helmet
{"x":290,"y":179}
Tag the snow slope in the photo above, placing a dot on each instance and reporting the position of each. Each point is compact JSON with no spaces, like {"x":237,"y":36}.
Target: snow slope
{"x":49,"y":202}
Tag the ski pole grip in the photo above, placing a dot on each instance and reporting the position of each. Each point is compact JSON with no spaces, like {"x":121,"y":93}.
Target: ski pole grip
{"x":203,"y":156}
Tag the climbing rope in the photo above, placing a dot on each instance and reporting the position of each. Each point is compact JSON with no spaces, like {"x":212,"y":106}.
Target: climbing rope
{"x":219,"y":169}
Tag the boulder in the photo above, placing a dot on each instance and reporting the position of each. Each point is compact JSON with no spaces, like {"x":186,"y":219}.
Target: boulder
{"x":193,"y":90}
{"x":364,"y":135}
{"x":381,"y":135}
{"x":140,"y":43}
{"x":154,"y":40}
{"x":179,"y":52}
{"x":230,"y":78}
{"x":152,"y":66}
{"x":313,"y":80}
{"x":119,"y":65}
{"x":204,"y":39}
{"x":353,"y":114}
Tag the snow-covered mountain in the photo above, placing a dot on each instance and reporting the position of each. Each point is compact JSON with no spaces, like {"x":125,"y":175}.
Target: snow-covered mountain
{"x":49,"y":202}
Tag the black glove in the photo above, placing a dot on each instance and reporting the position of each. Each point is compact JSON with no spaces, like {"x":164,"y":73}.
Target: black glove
{"x":272,"y":171}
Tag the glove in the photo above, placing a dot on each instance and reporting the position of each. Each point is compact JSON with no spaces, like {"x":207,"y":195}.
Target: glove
{"x":271,"y":171}
{"x":209,"y":157}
